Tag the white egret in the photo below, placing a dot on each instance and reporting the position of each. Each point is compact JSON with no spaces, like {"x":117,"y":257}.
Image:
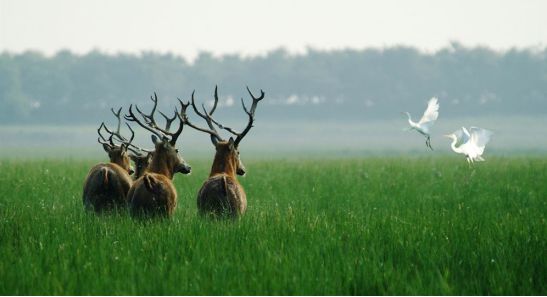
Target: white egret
{"x":424,"y":124}
{"x":473,"y":143}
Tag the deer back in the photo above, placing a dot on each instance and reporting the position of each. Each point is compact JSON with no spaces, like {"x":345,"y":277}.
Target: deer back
{"x":153,"y":194}
{"x":222,"y":194}
{"x":106,"y":187}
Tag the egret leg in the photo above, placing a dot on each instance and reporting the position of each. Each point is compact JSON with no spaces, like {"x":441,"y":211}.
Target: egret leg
{"x":428,"y":142}
{"x":469,"y":162}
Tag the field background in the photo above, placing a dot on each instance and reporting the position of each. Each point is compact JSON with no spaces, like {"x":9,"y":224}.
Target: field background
{"x":315,"y":225}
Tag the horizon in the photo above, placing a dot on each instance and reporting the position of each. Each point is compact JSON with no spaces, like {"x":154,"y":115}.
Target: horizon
{"x":187,"y":30}
{"x":450,"y":46}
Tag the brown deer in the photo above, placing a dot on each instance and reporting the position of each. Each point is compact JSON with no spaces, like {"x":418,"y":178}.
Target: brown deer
{"x":154,"y":193}
{"x":141,"y":157}
{"x":107,"y":184}
{"x":221,"y":194}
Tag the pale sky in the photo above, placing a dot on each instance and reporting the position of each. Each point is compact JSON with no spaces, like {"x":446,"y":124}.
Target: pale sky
{"x":255,"y":27}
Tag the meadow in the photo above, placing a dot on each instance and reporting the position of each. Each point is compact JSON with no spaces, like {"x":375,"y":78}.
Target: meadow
{"x":374,"y":225}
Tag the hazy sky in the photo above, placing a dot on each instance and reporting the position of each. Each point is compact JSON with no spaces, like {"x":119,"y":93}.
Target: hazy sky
{"x":255,"y":26}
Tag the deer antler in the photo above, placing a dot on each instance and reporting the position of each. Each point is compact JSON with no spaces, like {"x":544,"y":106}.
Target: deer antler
{"x":168,"y":120}
{"x":215,"y":137}
{"x":116,"y":133}
{"x":101,"y":138}
{"x":250,"y":113}
{"x":151,"y":125}
{"x":211,"y":122}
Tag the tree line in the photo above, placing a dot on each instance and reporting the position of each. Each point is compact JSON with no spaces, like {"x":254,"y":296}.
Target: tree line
{"x":332,"y":85}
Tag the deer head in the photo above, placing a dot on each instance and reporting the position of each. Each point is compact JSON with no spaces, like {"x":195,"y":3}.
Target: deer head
{"x":165,"y":159}
{"x":227,"y":152}
{"x":117,"y":153}
{"x":142,"y":161}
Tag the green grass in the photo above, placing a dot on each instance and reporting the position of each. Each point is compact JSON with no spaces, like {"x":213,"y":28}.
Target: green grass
{"x":352,"y":226}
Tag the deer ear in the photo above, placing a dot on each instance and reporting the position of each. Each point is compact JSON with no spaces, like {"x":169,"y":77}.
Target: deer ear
{"x":155,"y":139}
{"x":106,"y":147}
{"x":231,"y":142}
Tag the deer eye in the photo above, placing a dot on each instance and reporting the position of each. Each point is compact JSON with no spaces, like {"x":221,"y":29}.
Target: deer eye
{"x":177,"y":150}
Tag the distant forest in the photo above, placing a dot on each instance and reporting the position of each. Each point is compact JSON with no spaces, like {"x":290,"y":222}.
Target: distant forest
{"x":320,"y":85}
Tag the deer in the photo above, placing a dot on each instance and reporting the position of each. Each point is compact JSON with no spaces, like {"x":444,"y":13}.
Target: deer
{"x":106,"y":185}
{"x":222,"y":194}
{"x":153,"y":193}
{"x":140,"y":157}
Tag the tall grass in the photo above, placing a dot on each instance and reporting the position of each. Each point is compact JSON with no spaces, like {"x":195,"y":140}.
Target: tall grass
{"x":351,"y":226}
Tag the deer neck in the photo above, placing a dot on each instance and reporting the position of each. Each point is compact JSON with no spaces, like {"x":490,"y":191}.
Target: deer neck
{"x":141,"y":172}
{"x":120,"y":162}
{"x":223,"y":164}
{"x":161,"y":166}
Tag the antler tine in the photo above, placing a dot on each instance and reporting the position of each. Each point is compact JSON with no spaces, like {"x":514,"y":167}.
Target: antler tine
{"x":209,"y":115}
{"x":215,"y":137}
{"x":132,"y":135}
{"x":216,"y":101}
{"x":132,"y":118}
{"x":130,"y":144}
{"x":206,"y":116}
{"x":99,"y":132}
{"x":149,"y":119}
{"x":137,"y":150}
{"x":183,"y":106}
{"x":117,"y":115}
{"x":210,"y":118}
{"x":168,"y":121}
{"x":117,"y":133}
{"x":255,"y":101}
{"x":151,"y":122}
{"x":196,"y":109}
{"x":111,"y":140}
{"x":177,"y":133}
{"x":101,"y":138}
{"x":250,"y":113}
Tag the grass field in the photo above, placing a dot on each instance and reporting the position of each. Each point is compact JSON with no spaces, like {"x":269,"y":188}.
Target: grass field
{"x":350,"y":226}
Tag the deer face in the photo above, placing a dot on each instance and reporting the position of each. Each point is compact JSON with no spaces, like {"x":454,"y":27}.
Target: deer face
{"x":235,"y":152}
{"x":141,"y":162}
{"x":168,"y":156}
{"x":229,"y":152}
{"x":118,"y":155}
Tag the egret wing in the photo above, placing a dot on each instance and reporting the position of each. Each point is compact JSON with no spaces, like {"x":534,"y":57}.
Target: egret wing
{"x":480,"y":137}
{"x":462,"y":135}
{"x":431,"y":113}
{"x":466,"y":134}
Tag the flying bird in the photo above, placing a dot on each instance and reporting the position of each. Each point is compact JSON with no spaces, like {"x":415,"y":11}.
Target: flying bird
{"x":473,"y":143}
{"x":423,"y":126}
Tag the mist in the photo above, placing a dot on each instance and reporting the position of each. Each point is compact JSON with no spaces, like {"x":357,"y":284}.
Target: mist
{"x":344,"y":102}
